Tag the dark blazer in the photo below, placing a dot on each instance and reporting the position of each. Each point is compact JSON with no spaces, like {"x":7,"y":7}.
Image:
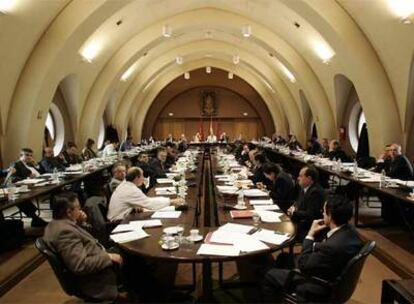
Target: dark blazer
{"x":84,"y":257}
{"x":158,"y":168}
{"x":401,"y":168}
{"x":309,"y":207}
{"x":339,"y":154}
{"x":258,"y":176}
{"x":327,"y":259}
{"x":385,"y":165}
{"x":315,"y":148}
{"x":22,"y":172}
{"x":282,"y":190}
{"x":48,"y":164}
{"x":88,"y":153}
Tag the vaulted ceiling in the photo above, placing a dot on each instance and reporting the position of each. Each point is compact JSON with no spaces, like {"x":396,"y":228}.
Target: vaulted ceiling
{"x":295,"y":46}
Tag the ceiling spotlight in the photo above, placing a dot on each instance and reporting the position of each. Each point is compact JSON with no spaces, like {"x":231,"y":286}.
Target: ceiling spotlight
{"x":245,"y":114}
{"x":236,"y":59}
{"x":6,"y":6}
{"x":406,"y":21}
{"x":167,"y":31}
{"x":246,"y":31}
{"x":230,"y":75}
{"x":91,"y":50}
{"x":170,"y":114}
{"x":186,"y":75}
{"x":208,"y":69}
{"x":179,"y":60}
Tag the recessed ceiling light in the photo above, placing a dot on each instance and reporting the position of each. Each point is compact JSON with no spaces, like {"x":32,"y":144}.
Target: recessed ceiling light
{"x":246,"y":30}
{"x":170,"y":114}
{"x":208,"y":69}
{"x":91,"y":50}
{"x":323,"y":50}
{"x":245,"y":114}
{"x":236,"y":59}
{"x":166,"y":31}
{"x":230,"y":75}
{"x":179,"y":60}
{"x":186,"y":75}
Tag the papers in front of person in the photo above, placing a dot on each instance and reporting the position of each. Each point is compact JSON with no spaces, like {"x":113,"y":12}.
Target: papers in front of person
{"x":228,"y":189}
{"x":254,"y":193}
{"x":171,"y":175}
{"x":261,"y":202}
{"x":270,"y":236}
{"x":30,"y":181}
{"x":405,"y":183}
{"x":146,"y":223}
{"x":164,"y":181}
{"x":123,"y":228}
{"x":269,"y":216}
{"x":167,"y":208}
{"x":166,"y":214}
{"x":243,"y":242}
{"x":232,"y":227}
{"x":165,"y":191}
{"x":266,"y":207}
{"x":124,"y":237}
{"x":221,"y":250}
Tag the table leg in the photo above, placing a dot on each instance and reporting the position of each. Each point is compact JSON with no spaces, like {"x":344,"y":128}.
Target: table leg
{"x":207,"y":284}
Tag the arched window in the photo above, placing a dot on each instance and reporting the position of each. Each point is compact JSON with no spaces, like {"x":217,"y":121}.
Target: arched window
{"x":356,"y":121}
{"x":54,"y":129}
{"x":101,"y":135}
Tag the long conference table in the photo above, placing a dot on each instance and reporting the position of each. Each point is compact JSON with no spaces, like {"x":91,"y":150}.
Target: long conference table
{"x":45,"y":186}
{"x":206,"y":213}
{"x":397,"y":191}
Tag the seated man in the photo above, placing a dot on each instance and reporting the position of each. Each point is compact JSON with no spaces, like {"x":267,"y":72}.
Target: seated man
{"x":171,"y":155}
{"x":127,"y":144}
{"x":158,"y":165}
{"x":110,"y":149}
{"x":336,"y":152}
{"x":325,"y":259}
{"x":128,"y":197}
{"x":258,"y":174}
{"x":314,"y":147}
{"x":283,"y":186}
{"x":143,"y":163}
{"x":400,"y":166}
{"x":71,"y":154}
{"x":308,"y":206}
{"x":384,"y":160}
{"x":88,"y":152}
{"x":118,"y":176}
{"x":86,"y":259}
{"x":49,"y":162}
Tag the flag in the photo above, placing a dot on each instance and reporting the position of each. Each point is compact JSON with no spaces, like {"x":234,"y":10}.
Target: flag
{"x":211,"y":125}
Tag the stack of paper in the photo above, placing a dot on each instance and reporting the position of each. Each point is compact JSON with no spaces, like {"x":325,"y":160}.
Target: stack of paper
{"x":266,"y":207}
{"x":129,"y":236}
{"x":164,"y":181}
{"x":232,"y":227}
{"x":269,"y":216}
{"x":221,"y":250}
{"x":227,"y":189}
{"x":166,"y":214}
{"x":145,"y":223}
{"x":261,"y":202}
{"x":270,"y":236}
{"x":254,"y":192}
{"x":244,"y":242}
{"x":165,"y":191}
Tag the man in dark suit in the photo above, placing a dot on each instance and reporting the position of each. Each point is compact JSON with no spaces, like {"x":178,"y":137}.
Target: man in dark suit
{"x":336,"y":152}
{"x":308,"y":206}
{"x":384,"y":160}
{"x":93,"y":268}
{"x":258,"y":175}
{"x":324,"y":259}
{"x":282,"y":187}
{"x":158,"y":165}
{"x":49,"y":162}
{"x":400,"y":166}
{"x":314,"y":147}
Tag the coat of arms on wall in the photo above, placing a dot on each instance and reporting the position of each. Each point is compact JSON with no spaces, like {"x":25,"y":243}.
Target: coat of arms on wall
{"x":209,"y":104}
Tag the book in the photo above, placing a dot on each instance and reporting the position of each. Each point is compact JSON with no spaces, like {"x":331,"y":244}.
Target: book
{"x":237,"y":214}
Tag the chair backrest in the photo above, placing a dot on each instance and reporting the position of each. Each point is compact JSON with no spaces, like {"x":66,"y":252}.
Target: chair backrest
{"x":346,"y":282}
{"x":95,"y":208}
{"x":64,"y":276}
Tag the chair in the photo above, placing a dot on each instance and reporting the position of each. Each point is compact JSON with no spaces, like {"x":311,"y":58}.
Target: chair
{"x":64,"y":276}
{"x":341,"y":288}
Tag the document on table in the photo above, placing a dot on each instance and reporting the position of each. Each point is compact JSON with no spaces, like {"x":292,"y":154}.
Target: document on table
{"x":261,"y":202}
{"x":167,"y":208}
{"x":123,"y":228}
{"x":165,"y":190}
{"x":227,"y":189}
{"x":244,"y":242}
{"x":266,"y":207}
{"x":270,"y":236}
{"x":129,"y":236}
{"x":254,"y":192}
{"x":232,"y":227}
{"x":221,"y":250}
{"x":166,"y":214}
{"x":269,"y":216}
{"x":146,"y":223}
{"x":164,"y":181}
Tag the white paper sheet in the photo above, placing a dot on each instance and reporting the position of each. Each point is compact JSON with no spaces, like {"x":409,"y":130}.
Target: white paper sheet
{"x":269,"y":216}
{"x":261,"y":202}
{"x":164,"y":181}
{"x":124,"y":227}
{"x":270,"y":236}
{"x":167,"y":208}
{"x":146,"y":223}
{"x":221,"y":250}
{"x":243,"y":242}
{"x":166,"y":214}
{"x":254,"y":193}
{"x":129,"y":236}
{"x":232,"y":227}
{"x":266,"y":207}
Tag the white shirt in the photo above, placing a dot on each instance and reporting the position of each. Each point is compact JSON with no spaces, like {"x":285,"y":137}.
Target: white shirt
{"x":211,"y":138}
{"x":128,"y":196}
{"x":34,"y":171}
{"x":108,"y":150}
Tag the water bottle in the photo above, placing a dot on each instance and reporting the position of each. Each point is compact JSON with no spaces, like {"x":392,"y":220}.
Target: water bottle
{"x":339,"y":165}
{"x":355,"y":168}
{"x":382,"y":179}
{"x":55,"y":175}
{"x":240,"y":198}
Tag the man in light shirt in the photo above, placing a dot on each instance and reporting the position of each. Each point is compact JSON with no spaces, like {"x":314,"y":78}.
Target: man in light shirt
{"x":128,"y":196}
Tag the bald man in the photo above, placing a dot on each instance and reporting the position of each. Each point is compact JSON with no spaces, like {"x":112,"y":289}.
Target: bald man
{"x":400,"y":167}
{"x":50,"y":162}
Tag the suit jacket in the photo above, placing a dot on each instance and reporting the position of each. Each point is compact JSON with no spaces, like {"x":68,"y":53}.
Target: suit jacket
{"x":88,"y":153}
{"x":327,"y":259}
{"x":48,"y":164}
{"x":22,"y":172}
{"x":315,"y":148}
{"x":401,"y":168}
{"x":338,"y":154}
{"x":158,"y":168}
{"x":84,"y":257}
{"x":309,"y":207}
{"x":282,"y":190}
